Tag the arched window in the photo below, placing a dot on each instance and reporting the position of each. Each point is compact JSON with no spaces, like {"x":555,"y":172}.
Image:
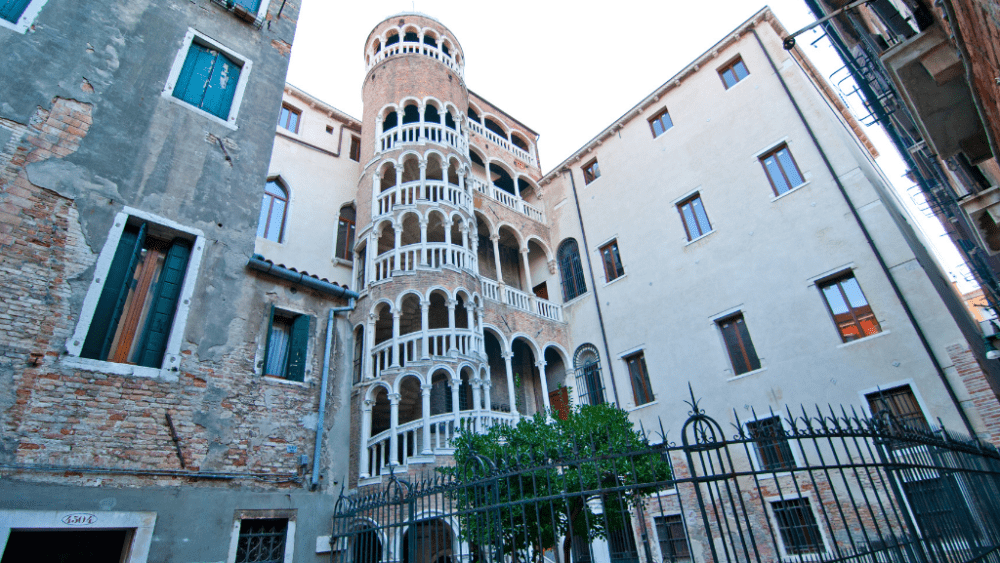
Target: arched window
{"x":390,"y":121}
{"x":588,"y":375}
{"x":345,"y":233}
{"x":271,"y":223}
{"x":431,"y":114}
{"x":571,"y":270}
{"x":411,"y":36}
{"x":411,"y":114}
{"x":392,"y":39}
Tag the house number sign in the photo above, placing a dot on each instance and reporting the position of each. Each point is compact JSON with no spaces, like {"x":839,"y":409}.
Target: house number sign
{"x":79,"y":519}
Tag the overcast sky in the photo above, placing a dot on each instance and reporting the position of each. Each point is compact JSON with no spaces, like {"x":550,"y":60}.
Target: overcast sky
{"x":565,"y":69}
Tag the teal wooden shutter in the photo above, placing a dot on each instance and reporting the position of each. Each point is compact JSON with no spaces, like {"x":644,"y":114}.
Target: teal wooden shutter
{"x":297,"y":345}
{"x":195,"y":74}
{"x":267,"y":341}
{"x":11,"y":10}
{"x":221,"y":87}
{"x":117,"y":283}
{"x":164,"y":305}
{"x":251,"y":5}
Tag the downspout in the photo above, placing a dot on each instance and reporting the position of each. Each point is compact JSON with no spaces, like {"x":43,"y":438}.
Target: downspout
{"x":593,"y":284}
{"x":870,"y":241}
{"x":322,"y":390}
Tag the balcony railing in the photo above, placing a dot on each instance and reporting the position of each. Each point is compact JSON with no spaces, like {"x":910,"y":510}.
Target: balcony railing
{"x":408,"y":348}
{"x":409,"y":47}
{"x":417,"y":133}
{"x":443,"y":429}
{"x":510,"y":147}
{"x":506,"y":199}
{"x":430,"y":191}
{"x":521,"y":300}
{"x":408,"y":259}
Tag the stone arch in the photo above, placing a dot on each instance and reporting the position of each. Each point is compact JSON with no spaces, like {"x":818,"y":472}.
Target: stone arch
{"x":435,"y":165}
{"x":495,"y":124}
{"x":589,"y":383}
{"x":382,"y":310}
{"x":531,"y":395}
{"x":526,"y":187}
{"x":509,"y":246}
{"x":556,"y":365}
{"x":461,"y":311}
{"x":390,"y":116}
{"x":411,"y":33}
{"x":432,"y":112}
{"x":370,"y":392}
{"x":387,"y":175}
{"x":437,"y":315}
{"x":541,"y":244}
{"x":410,"y":405}
{"x":433,"y":539}
{"x":436,"y":220}
{"x":411,"y":167}
{"x":358,"y":334}
{"x":392,"y":36}
{"x":409,"y":312}
{"x":440,"y":391}
{"x":500,"y":175}
{"x":410,"y":220}
{"x":385,"y":235}
{"x":519,"y":140}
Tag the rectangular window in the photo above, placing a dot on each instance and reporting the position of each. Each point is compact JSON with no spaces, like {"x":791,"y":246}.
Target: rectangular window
{"x":694,"y":217}
{"x":660,"y":122}
{"x":287,"y":344}
{"x":742,"y":354}
{"x":591,"y":171}
{"x":289,"y":118}
{"x":589,"y":384}
{"x":902,"y":404}
{"x":208,"y":80}
{"x":345,"y":233}
{"x":262,"y":541}
{"x":672,"y":538}
{"x":781,"y":170}
{"x":851,"y":313}
{"x":640,"y":378}
{"x":613,"y":268}
{"x":138,"y":300}
{"x":355,"y":149}
{"x":19,"y":14}
{"x":733,"y":73}
{"x":797,"y":524}
{"x":11,"y":10}
{"x":773,"y":451}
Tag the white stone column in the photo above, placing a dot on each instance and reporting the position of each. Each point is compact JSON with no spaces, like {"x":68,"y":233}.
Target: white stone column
{"x":507,"y":356}
{"x":422,"y":190}
{"x":469,"y":321}
{"x":476,"y":398}
{"x":527,"y":279}
{"x":397,"y":258}
{"x":393,"y":425}
{"x":543,"y":381}
{"x":452,"y":345}
{"x":447,"y":233}
{"x":495,"y":238}
{"x":425,"y":309}
{"x":378,"y":134}
{"x":465,"y":234}
{"x":474,"y":247}
{"x":420,"y":125}
{"x":423,"y":242}
{"x":366,"y":430}
{"x":425,"y":395}
{"x":369,"y":344}
{"x":480,"y":333}
{"x":395,"y":337}
{"x":487,"y":385}
{"x":456,"y":384}
{"x":376,"y":190}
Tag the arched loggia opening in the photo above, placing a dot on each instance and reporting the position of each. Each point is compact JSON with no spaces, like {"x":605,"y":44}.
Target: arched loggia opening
{"x":428,"y":541}
{"x":380,"y":422}
{"x":555,"y":382}
{"x":366,"y":547}
{"x":527,"y":381}
{"x":501,"y":178}
{"x":499,"y":391}
{"x":510,"y":258}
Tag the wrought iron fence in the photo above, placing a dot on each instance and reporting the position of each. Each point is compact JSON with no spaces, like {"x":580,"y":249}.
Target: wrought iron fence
{"x":820,"y":486}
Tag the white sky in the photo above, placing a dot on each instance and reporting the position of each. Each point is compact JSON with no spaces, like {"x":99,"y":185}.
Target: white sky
{"x":565,"y":69}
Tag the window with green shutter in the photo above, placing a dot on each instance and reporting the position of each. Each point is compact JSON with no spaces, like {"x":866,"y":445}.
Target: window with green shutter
{"x":208,"y":80}
{"x":287,"y":344}
{"x":138,"y":301}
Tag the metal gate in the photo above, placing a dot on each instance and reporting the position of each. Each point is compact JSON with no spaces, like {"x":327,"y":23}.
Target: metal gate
{"x":822,"y":486}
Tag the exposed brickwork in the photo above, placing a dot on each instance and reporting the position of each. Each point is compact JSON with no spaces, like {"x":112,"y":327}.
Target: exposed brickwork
{"x":984,"y":400}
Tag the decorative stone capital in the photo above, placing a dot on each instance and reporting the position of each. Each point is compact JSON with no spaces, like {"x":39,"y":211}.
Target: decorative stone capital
{"x":524,"y":251}
{"x":398,"y":167}
{"x":423,"y":224}
{"x":506,"y":355}
{"x":369,"y":403}
{"x":455,"y":382}
{"x":423,"y":164}
{"x":394,"y":398}
{"x":552,"y":267}
{"x":397,"y":314}
{"x":495,"y":237}
{"x":451,"y":303}
{"x":425,"y":389}
{"x":540,"y":364}
{"x":373,"y":317}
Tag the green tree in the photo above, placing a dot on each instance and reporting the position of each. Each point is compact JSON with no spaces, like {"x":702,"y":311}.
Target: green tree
{"x":522,"y":488}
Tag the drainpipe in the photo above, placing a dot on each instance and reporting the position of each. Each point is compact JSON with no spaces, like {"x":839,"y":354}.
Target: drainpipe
{"x":322,"y":389}
{"x":593,"y":284}
{"x":871,"y":243}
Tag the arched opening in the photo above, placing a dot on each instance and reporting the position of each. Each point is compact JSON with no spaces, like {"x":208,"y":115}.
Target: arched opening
{"x":453,"y":172}
{"x":519,"y":142}
{"x":474,"y":116}
{"x":487,"y":264}
{"x":445,"y":48}
{"x":388,"y":176}
{"x":411,"y":168}
{"x":478,"y":166}
{"x":377,"y":46}
{"x":524,"y":189}
{"x":409,"y":315}
{"x":461,"y":313}
{"x":434,"y":171}
{"x":437,"y":316}
{"x":430,"y":40}
{"x":440,"y":393}
{"x":359,"y":352}
{"x":555,"y":382}
{"x":383,"y":323}
{"x":456,"y":231}
{"x":271,"y":223}
{"x":345,"y":232}
{"x":571,"y":270}
{"x":501,"y":178}
{"x":392,"y":38}
{"x":381,"y":412}
{"x":428,"y":541}
{"x":411,"y":230}
{"x":360,"y":259}
{"x":449,"y":121}
{"x":410,"y":401}
{"x":366,"y":546}
{"x":527,"y":382}
{"x":538,"y":263}
{"x":411,"y":36}
{"x":499,"y":394}
{"x":386,"y":239}
{"x":465,"y":402}
{"x":589,"y":384}
{"x":510,"y":258}
{"x":431,"y":114}
{"x":435,"y":227}
{"x":411,"y":113}
{"x":390,"y":120}
{"x":495,"y":127}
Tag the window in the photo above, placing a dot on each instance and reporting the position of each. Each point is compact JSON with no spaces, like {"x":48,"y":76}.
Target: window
{"x":135,"y":311}
{"x":287,"y":341}
{"x":570,"y":270}
{"x":208,"y":78}
{"x":797,"y":525}
{"x":851,"y":313}
{"x":733,"y":73}
{"x":289,"y":118}
{"x":902,"y":404}
{"x":640,"y":378}
{"x":345,"y":233}
{"x":262,"y":540}
{"x":694,"y":217}
{"x":591,"y":172}
{"x":660,"y":123}
{"x":355,"y":149}
{"x":588,"y":376}
{"x":737,"y":338}
{"x":672,"y":537}
{"x":773,"y":450}
{"x":271,"y":222}
{"x":781,"y":170}
{"x":19,"y":14}
{"x":612,"y":261}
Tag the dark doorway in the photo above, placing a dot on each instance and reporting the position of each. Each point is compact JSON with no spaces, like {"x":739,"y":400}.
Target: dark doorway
{"x":58,"y":546}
